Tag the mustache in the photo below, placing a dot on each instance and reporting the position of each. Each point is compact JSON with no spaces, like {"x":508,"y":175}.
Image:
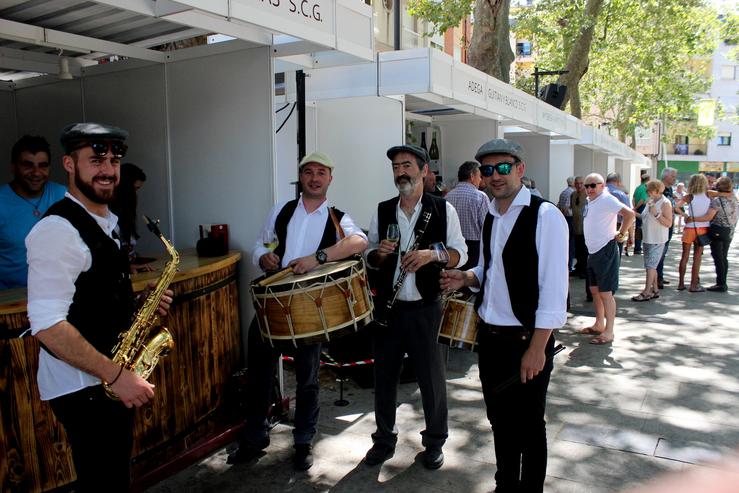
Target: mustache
{"x":402,"y":177}
{"x":104,"y":177}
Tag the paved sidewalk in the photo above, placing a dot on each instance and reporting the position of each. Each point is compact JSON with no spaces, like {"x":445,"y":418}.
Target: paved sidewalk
{"x":663,"y":397}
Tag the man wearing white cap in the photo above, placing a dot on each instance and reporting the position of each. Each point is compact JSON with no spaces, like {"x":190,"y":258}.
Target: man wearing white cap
{"x":306,"y":238}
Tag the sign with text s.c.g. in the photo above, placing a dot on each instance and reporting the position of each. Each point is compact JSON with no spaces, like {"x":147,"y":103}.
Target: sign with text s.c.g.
{"x":310,"y":20}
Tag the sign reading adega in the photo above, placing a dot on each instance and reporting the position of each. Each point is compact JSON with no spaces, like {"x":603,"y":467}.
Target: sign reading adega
{"x":711,"y":166}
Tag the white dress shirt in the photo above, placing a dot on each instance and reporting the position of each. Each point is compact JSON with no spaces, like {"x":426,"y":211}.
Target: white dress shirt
{"x":454,"y":240}
{"x":552,"y":246}
{"x":304,"y":231}
{"x":57,"y":255}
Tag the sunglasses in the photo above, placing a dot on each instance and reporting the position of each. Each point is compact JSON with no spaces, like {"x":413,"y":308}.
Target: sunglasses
{"x":592,"y":185}
{"x":102,"y":147}
{"x":502,"y":169}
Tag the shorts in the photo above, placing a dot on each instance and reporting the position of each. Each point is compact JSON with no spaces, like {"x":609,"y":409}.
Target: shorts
{"x":691,"y":234}
{"x":652,"y":254}
{"x":603,"y":267}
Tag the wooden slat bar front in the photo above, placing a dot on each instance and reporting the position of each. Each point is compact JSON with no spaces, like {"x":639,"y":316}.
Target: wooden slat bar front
{"x":190,"y":382}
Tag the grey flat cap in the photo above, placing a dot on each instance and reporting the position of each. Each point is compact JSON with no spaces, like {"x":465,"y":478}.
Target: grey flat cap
{"x":500,"y":146}
{"x":72,"y":134}
{"x":415,"y":150}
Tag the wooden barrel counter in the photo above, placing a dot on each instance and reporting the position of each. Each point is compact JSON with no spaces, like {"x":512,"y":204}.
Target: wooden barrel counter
{"x":190,"y":382}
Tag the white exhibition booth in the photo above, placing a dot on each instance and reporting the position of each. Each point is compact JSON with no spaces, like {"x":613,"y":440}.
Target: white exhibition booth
{"x":358,"y":111}
{"x":201,"y":120}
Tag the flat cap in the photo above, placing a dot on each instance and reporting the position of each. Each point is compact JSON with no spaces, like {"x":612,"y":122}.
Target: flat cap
{"x":415,"y":150}
{"x":76,"y":132}
{"x":500,"y":146}
{"x":317,"y":157}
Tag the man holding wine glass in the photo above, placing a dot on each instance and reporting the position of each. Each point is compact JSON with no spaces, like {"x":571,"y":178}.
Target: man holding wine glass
{"x":522,"y":279}
{"x":300,"y":234}
{"x":401,"y":234}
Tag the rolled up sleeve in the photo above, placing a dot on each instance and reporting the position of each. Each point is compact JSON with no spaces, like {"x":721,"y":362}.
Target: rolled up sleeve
{"x":552,"y":245}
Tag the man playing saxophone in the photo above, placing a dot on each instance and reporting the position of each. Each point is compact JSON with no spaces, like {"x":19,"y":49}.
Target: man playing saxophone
{"x":413,"y":320}
{"x":79,"y":299}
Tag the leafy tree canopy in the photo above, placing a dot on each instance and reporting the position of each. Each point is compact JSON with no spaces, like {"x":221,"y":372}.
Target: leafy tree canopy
{"x":443,"y":14}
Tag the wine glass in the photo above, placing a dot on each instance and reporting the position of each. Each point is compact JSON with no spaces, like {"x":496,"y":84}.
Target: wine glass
{"x":393,"y":233}
{"x":269,"y":239}
{"x":442,"y":255}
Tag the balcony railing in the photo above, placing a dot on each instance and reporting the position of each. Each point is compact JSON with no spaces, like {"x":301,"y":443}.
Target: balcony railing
{"x":690,"y":149}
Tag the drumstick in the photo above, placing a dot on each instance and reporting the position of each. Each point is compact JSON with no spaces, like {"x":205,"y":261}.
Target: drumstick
{"x":517,"y":377}
{"x":275,"y":277}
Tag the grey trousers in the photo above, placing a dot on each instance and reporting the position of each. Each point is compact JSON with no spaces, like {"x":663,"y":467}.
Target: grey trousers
{"x":412,"y":330}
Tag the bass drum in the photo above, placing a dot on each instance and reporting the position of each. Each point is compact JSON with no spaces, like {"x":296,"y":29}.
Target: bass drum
{"x":458,"y":328}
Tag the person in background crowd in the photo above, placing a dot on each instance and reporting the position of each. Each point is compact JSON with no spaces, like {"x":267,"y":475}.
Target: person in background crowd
{"x":639,"y":200}
{"x":695,"y":225}
{"x":531,"y":185}
{"x":669,"y":177}
{"x":679,"y":194}
{"x":656,"y":218}
{"x":23,"y":202}
{"x":711,"y":178}
{"x":471,"y":206}
{"x":613,"y":183}
{"x":564,"y":206}
{"x":125,"y":206}
{"x":722,"y":214}
{"x":601,"y":236}
{"x":578,"y":204}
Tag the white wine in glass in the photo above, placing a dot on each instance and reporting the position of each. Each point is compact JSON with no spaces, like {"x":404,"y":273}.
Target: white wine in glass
{"x":393,"y":233}
{"x":269,"y":240}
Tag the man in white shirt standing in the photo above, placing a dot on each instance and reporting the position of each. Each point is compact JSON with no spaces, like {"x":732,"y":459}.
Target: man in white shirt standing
{"x":306,"y":238}
{"x":79,"y":300}
{"x":522,"y":278}
{"x":599,"y":226}
{"x":412,"y":323}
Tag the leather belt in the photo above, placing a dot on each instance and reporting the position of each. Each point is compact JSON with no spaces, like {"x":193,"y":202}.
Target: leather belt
{"x":515,"y":332}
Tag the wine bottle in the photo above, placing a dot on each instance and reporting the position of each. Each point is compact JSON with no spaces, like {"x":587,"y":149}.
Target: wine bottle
{"x":434,"y":153}
{"x":423,"y":141}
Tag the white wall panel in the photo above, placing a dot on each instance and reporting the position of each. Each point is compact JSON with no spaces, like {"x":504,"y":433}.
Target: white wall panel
{"x":222,"y":133}
{"x":583,"y":161}
{"x":135,"y":101}
{"x":562,"y":166}
{"x":356,"y":133}
{"x":460,"y":141}
{"x":536,"y":152}
{"x":8,"y":134}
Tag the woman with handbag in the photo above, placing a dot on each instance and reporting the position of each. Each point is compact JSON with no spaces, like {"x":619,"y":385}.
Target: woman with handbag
{"x":656,"y":220}
{"x":722,"y":215}
{"x":695,"y":231}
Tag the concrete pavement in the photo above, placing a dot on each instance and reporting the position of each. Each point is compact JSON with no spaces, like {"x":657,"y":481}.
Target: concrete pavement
{"x":663,"y":397}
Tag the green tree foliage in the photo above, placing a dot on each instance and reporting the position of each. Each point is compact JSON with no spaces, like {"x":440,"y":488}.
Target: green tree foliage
{"x":730,"y":32}
{"x":443,"y":14}
{"x":644,"y":61}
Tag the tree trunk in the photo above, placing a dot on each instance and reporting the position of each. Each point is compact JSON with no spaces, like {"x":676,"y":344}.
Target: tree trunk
{"x":578,"y":59}
{"x":575,"y":105}
{"x":490,"y":48}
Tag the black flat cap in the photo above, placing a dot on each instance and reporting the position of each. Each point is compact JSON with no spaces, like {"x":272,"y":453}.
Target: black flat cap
{"x":500,"y":146}
{"x":415,"y":150}
{"x":72,"y":134}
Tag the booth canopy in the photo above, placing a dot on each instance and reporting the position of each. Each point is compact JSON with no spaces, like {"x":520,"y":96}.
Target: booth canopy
{"x":34,"y":34}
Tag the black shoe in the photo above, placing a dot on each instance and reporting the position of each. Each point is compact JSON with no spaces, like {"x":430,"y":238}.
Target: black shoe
{"x":663,"y":281}
{"x":588,"y":298}
{"x":637,"y":252}
{"x":247,"y":452}
{"x":433,"y":458}
{"x":717,"y":288}
{"x":378,"y":454}
{"x":303,"y":458}
{"x":660,"y":285}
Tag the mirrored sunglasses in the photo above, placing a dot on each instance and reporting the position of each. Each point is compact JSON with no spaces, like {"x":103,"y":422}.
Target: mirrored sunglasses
{"x":502,"y":169}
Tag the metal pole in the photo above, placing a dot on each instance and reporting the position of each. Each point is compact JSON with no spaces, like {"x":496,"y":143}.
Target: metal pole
{"x":536,"y":81}
{"x":396,"y":25}
{"x":300,"y":90}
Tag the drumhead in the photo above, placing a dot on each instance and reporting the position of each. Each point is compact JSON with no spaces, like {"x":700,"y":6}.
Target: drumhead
{"x":322,"y":270}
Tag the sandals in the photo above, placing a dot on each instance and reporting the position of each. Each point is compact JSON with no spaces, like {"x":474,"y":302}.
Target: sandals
{"x":643,"y":297}
{"x":589,"y":331}
{"x":681,"y":287}
{"x":697,"y":289}
{"x":601,"y":340}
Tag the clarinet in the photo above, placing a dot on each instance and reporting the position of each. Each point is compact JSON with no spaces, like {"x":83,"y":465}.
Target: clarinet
{"x":404,"y":273}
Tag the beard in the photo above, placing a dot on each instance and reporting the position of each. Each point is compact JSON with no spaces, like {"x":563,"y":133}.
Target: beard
{"x":88,"y":190}
{"x":405,"y":184}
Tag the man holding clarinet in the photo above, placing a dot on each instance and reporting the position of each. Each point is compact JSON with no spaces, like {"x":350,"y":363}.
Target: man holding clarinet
{"x":403,"y":235}
{"x":522,"y":277}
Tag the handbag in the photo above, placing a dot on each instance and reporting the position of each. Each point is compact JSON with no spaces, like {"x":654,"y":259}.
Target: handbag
{"x":701,"y":240}
{"x":716,"y":231}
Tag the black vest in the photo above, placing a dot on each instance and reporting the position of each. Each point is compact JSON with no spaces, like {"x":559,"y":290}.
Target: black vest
{"x":427,"y":277}
{"x":103,"y":302}
{"x":520,"y":263}
{"x":330,"y":235}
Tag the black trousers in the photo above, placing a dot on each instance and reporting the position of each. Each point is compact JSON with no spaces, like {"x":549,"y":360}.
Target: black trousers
{"x":100,"y":432}
{"x":262,"y":363}
{"x":581,"y":254}
{"x":720,"y":253}
{"x":412,"y":330}
{"x":516,"y":414}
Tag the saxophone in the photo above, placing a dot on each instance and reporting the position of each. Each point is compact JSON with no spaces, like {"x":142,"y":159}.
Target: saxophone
{"x":138,"y":349}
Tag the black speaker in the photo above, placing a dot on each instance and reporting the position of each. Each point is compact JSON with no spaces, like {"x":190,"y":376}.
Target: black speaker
{"x":553,"y":94}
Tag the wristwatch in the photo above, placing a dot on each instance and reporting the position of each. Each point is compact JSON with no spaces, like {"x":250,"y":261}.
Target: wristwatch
{"x":321,"y":257}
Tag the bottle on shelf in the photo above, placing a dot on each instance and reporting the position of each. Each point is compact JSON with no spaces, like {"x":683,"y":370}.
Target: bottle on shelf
{"x":434,"y":153}
{"x":423,"y":141}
